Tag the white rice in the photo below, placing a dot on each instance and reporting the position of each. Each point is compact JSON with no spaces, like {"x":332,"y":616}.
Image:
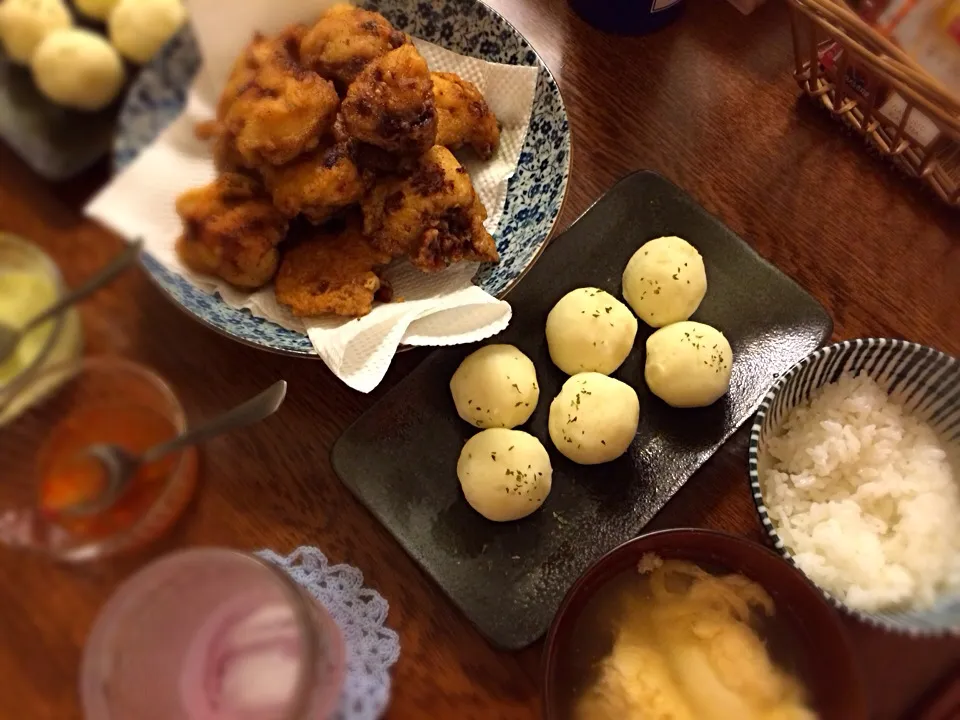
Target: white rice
{"x":865,"y":498}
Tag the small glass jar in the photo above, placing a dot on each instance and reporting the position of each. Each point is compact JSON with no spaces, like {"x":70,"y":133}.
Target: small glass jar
{"x":58,"y":340}
{"x":74,"y":405}
{"x":212,"y":634}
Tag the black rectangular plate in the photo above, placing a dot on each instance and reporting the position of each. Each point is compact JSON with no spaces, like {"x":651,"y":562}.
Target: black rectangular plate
{"x":400,"y":458}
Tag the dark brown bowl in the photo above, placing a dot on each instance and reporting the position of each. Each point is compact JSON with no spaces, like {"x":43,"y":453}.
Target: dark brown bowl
{"x":825,"y":658}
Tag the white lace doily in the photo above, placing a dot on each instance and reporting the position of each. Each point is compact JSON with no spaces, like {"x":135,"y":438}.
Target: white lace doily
{"x":360,"y":613}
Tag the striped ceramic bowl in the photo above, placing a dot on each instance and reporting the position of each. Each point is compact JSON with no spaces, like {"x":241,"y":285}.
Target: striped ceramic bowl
{"x":926,"y":382}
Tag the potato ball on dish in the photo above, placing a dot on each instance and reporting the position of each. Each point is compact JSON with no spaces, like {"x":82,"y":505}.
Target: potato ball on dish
{"x":505,"y":474}
{"x":589,"y":330}
{"x":594,"y":418}
{"x":25,"y":23}
{"x":495,"y":387}
{"x":688,"y":364}
{"x":665,"y":281}
{"x":96,"y":9}
{"x":77,"y":68}
{"x":139,"y":28}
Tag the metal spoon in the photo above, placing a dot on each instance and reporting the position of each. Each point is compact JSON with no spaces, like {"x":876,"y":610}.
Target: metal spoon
{"x":120,"y":466}
{"x":10,"y":337}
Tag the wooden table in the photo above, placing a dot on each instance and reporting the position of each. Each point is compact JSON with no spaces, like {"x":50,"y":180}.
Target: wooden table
{"x":709,"y":103}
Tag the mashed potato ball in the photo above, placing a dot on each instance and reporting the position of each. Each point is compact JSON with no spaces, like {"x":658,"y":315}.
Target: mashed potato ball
{"x":688,"y":364}
{"x":495,"y":387}
{"x":505,"y":474}
{"x":139,"y":28}
{"x":665,"y":281}
{"x":25,"y":23}
{"x":77,"y":68}
{"x":96,"y":9}
{"x":594,"y":418}
{"x":589,"y":330}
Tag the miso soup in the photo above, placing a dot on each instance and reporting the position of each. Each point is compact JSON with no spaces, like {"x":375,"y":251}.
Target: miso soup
{"x":673,"y":640}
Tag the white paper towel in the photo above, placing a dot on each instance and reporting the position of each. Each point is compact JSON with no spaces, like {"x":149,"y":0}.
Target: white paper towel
{"x":439,"y":308}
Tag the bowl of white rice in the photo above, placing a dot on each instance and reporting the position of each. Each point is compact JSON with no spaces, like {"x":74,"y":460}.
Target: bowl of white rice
{"x":854,"y":469}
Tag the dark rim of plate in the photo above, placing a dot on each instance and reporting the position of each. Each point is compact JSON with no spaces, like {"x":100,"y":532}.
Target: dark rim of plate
{"x":887,"y":622}
{"x":548,"y":235}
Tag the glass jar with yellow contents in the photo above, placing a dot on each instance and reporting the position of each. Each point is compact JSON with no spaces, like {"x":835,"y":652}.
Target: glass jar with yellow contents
{"x":29,"y":283}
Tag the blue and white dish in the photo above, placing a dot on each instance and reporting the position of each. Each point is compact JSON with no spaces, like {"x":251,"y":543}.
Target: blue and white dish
{"x":926,"y":382}
{"x":534,"y":195}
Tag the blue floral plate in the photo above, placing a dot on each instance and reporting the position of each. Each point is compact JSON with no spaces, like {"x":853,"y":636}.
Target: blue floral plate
{"x":534,"y":196}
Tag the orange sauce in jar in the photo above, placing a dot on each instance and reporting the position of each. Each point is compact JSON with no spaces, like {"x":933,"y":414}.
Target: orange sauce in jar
{"x":69,"y":475}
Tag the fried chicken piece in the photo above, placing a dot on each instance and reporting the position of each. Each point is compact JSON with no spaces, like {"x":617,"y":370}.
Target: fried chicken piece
{"x":390,"y":104}
{"x":345,"y":39}
{"x":463,"y":117}
{"x":454,"y":237}
{"x":433,"y":216}
{"x":279,"y":109}
{"x":318,"y":184}
{"x":255,"y":55}
{"x":371,"y":159}
{"x":399,"y":210}
{"x":331,"y":273}
{"x":231,"y":230}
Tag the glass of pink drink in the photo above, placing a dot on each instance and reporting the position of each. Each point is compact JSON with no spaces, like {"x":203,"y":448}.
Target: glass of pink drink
{"x":212,"y":634}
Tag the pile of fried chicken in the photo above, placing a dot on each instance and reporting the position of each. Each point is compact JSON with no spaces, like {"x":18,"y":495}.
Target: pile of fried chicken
{"x":332,"y":144}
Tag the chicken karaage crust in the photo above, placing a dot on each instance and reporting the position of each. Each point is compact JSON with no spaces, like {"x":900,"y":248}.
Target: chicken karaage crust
{"x":317,"y":184}
{"x":279,"y":108}
{"x":345,"y":39}
{"x":390,"y":105}
{"x":433,"y":216}
{"x":456,"y":236}
{"x":231,"y":230}
{"x":372,"y":160}
{"x":463,"y":116}
{"x":331,"y":272}
{"x":255,"y":55}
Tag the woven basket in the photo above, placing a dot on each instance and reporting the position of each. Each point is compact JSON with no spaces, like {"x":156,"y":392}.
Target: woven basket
{"x":879,"y":91}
